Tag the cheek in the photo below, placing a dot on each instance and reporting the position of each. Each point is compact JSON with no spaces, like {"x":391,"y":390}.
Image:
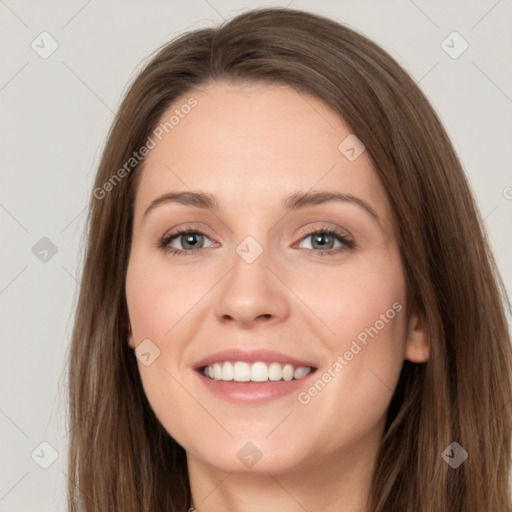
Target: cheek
{"x":363,"y":306}
{"x":159,"y":297}
{"x":362,"y":299}
{"x":158,"y":304}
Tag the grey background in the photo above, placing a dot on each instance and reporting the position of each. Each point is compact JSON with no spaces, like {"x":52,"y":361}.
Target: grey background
{"x":55,"y":113}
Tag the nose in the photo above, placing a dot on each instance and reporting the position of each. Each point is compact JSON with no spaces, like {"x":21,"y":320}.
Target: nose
{"x":252,"y":293}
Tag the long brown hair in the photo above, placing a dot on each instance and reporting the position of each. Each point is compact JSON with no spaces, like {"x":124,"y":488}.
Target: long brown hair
{"x":120,"y":456}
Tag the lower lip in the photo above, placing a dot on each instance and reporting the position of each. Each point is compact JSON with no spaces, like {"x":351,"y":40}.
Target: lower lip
{"x":252,"y":392}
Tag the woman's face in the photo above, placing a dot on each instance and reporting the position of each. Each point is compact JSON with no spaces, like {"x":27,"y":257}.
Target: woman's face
{"x":256,"y":281}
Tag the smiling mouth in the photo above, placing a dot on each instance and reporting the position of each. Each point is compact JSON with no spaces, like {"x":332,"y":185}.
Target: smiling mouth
{"x":259,"y":371}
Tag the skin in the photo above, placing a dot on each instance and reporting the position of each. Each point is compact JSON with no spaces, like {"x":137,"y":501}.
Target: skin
{"x":265,"y":142}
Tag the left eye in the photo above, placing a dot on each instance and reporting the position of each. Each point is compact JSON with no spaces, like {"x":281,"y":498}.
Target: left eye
{"x":319,"y":239}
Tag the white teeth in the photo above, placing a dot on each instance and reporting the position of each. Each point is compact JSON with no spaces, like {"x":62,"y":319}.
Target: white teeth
{"x":288,"y":372}
{"x":240,"y":371}
{"x":227,"y":371}
{"x":275,"y":372}
{"x":301,"y":371}
{"x":259,"y":372}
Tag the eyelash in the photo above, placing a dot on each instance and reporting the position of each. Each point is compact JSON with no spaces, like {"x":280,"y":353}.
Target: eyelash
{"x":347,"y":242}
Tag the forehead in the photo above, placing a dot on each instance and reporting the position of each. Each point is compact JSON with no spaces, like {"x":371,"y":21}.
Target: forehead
{"x":253,"y":144}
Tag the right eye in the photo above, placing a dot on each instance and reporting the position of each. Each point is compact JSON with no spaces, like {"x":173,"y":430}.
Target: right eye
{"x":189,"y":238}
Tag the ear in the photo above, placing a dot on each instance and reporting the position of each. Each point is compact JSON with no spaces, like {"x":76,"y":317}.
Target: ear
{"x":417,"y":345}
{"x":131,"y":341}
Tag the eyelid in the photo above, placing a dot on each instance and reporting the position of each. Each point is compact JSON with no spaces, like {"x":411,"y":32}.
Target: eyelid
{"x":186,"y":229}
{"x":326,"y":228}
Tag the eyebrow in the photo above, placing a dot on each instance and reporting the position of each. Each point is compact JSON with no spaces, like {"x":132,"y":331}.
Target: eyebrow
{"x":295,"y":201}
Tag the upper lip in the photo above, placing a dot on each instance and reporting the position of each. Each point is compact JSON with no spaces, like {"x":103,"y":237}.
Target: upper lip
{"x":250,"y":356}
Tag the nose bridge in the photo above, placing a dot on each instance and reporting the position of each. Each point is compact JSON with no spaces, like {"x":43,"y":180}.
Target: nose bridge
{"x":251,"y":235}
{"x":250,"y":271}
{"x":251,"y":290}
{"x":251,"y":249}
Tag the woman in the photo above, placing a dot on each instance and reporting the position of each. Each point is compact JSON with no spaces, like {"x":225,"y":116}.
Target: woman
{"x":288,"y":301}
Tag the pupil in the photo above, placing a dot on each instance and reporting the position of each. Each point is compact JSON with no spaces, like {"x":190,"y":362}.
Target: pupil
{"x":190,"y":238}
{"x":318,"y":239}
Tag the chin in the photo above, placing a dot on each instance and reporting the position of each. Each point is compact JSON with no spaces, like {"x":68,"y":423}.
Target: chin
{"x":250,"y":457}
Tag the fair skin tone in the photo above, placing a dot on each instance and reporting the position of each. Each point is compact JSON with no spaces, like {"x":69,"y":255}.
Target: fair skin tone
{"x":251,"y":146}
